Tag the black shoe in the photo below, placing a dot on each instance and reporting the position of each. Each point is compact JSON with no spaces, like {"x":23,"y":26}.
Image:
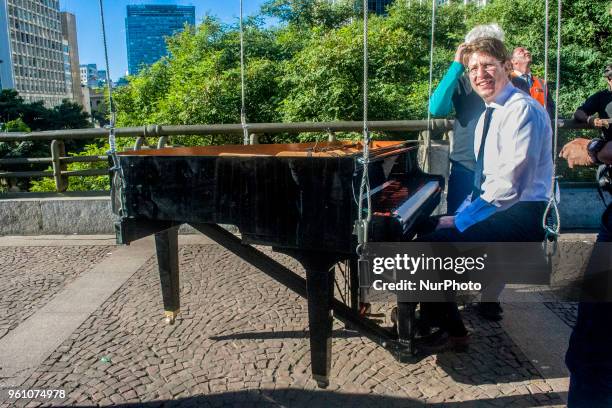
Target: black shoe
{"x":460,"y":344}
{"x":491,"y":311}
{"x":440,"y":341}
{"x":436,"y":342}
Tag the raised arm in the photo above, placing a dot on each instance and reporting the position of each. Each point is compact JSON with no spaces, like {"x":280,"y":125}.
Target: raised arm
{"x":441,"y":99}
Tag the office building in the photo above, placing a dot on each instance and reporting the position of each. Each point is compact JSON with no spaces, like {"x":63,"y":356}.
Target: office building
{"x":102,"y":78}
{"x":89,"y":75}
{"x":146,"y":29}
{"x":71,"y":57}
{"x":67,"y":68}
{"x":379,"y":6}
{"x":31,"y":50}
{"x":466,"y":2}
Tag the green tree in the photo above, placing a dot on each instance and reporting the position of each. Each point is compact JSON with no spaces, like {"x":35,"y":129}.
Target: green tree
{"x":309,"y":66}
{"x":21,"y":116}
{"x":199,"y":81}
{"x":307,"y":13}
{"x":67,"y":115}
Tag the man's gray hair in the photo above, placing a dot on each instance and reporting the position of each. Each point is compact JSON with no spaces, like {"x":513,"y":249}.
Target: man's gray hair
{"x":484,"y":31}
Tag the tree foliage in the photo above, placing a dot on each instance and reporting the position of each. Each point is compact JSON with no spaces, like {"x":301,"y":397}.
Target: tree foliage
{"x":308,"y":65}
{"x":18,"y":115}
{"x":67,"y":115}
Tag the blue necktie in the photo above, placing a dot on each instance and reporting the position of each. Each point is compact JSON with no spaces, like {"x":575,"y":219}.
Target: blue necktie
{"x":478,"y":176}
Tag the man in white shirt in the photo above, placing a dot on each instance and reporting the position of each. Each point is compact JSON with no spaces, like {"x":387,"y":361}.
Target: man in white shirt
{"x":513,"y":175}
{"x":513,"y":149}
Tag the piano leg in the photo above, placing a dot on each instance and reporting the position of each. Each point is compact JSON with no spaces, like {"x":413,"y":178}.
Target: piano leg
{"x":406,"y":326}
{"x":320,"y":289}
{"x":166,"y":245}
{"x":354,"y":283}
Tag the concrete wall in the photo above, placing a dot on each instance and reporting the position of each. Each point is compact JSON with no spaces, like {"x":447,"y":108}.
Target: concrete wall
{"x":56,"y":215}
{"x":580,"y":208}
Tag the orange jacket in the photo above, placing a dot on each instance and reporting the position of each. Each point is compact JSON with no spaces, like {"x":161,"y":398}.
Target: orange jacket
{"x":538,"y":90}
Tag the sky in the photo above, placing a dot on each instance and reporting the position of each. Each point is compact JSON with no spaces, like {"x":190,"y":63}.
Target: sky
{"x":89,"y":28}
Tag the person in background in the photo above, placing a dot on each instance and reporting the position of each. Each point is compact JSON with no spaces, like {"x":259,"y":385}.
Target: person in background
{"x":589,"y":356}
{"x":597,"y":109}
{"x":455,"y":91}
{"x":521,"y":63}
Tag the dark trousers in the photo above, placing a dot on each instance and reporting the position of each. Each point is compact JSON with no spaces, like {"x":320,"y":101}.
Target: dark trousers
{"x":520,"y":223}
{"x":460,"y":182}
{"x":589,"y":356}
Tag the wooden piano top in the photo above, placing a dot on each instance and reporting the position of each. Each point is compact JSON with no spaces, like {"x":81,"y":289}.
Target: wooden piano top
{"x":320,"y":149}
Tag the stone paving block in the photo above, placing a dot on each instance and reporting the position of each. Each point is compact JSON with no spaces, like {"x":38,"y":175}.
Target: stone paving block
{"x":240,"y":331}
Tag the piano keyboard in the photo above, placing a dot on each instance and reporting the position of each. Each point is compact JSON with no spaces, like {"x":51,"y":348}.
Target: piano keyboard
{"x":407,"y":210}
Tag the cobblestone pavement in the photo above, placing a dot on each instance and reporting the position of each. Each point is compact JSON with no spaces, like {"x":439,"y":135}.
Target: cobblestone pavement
{"x":31,"y":276}
{"x":241,"y":339}
{"x":566,"y":311}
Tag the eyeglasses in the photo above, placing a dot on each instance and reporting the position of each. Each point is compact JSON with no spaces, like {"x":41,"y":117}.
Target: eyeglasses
{"x":490,"y":68}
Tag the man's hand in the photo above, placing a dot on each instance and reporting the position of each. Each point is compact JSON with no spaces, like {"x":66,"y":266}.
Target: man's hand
{"x":446,"y":222}
{"x":576,"y":153}
{"x":601,"y":123}
{"x":459,"y":53}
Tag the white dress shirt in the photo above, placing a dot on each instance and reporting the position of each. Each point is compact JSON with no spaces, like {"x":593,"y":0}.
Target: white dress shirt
{"x":517,"y":157}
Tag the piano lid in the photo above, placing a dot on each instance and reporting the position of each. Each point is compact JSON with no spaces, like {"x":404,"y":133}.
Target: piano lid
{"x":318,"y":149}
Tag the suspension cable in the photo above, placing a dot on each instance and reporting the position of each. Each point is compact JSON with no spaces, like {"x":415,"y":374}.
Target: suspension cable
{"x":111,"y":140}
{"x":243,"y":122}
{"x":363,"y":222}
{"x":430,"y":86}
{"x":118,"y":181}
{"x":551,"y":221}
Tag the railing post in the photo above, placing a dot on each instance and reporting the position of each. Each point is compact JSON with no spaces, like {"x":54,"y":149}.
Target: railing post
{"x":58,"y":149}
{"x":139,"y":142}
{"x":424,"y":155}
{"x":448,"y":135}
{"x":254,"y":139}
{"x":161,"y":143}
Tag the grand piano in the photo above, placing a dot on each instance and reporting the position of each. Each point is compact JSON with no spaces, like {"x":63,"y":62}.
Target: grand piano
{"x":301,"y":199}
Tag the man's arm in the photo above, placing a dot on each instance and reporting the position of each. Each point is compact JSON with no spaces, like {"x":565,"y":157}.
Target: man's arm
{"x":577,"y":154}
{"x":441,"y":101}
{"x":584,"y":114}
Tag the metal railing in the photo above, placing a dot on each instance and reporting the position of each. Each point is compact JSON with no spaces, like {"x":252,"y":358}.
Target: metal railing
{"x":59,"y":160}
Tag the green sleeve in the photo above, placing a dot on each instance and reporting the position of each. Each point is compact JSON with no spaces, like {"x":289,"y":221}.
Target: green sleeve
{"x":441,"y":99}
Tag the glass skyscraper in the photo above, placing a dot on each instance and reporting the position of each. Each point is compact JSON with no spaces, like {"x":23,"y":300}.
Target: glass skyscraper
{"x":146,"y":27}
{"x":379,"y":6}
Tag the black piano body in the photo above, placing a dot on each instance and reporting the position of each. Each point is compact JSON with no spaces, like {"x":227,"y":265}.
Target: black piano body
{"x":301,"y":199}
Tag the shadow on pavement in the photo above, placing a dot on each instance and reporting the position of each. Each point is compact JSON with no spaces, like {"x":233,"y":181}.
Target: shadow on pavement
{"x":491,"y":359}
{"x":310,"y":399}
{"x":282,"y":334}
